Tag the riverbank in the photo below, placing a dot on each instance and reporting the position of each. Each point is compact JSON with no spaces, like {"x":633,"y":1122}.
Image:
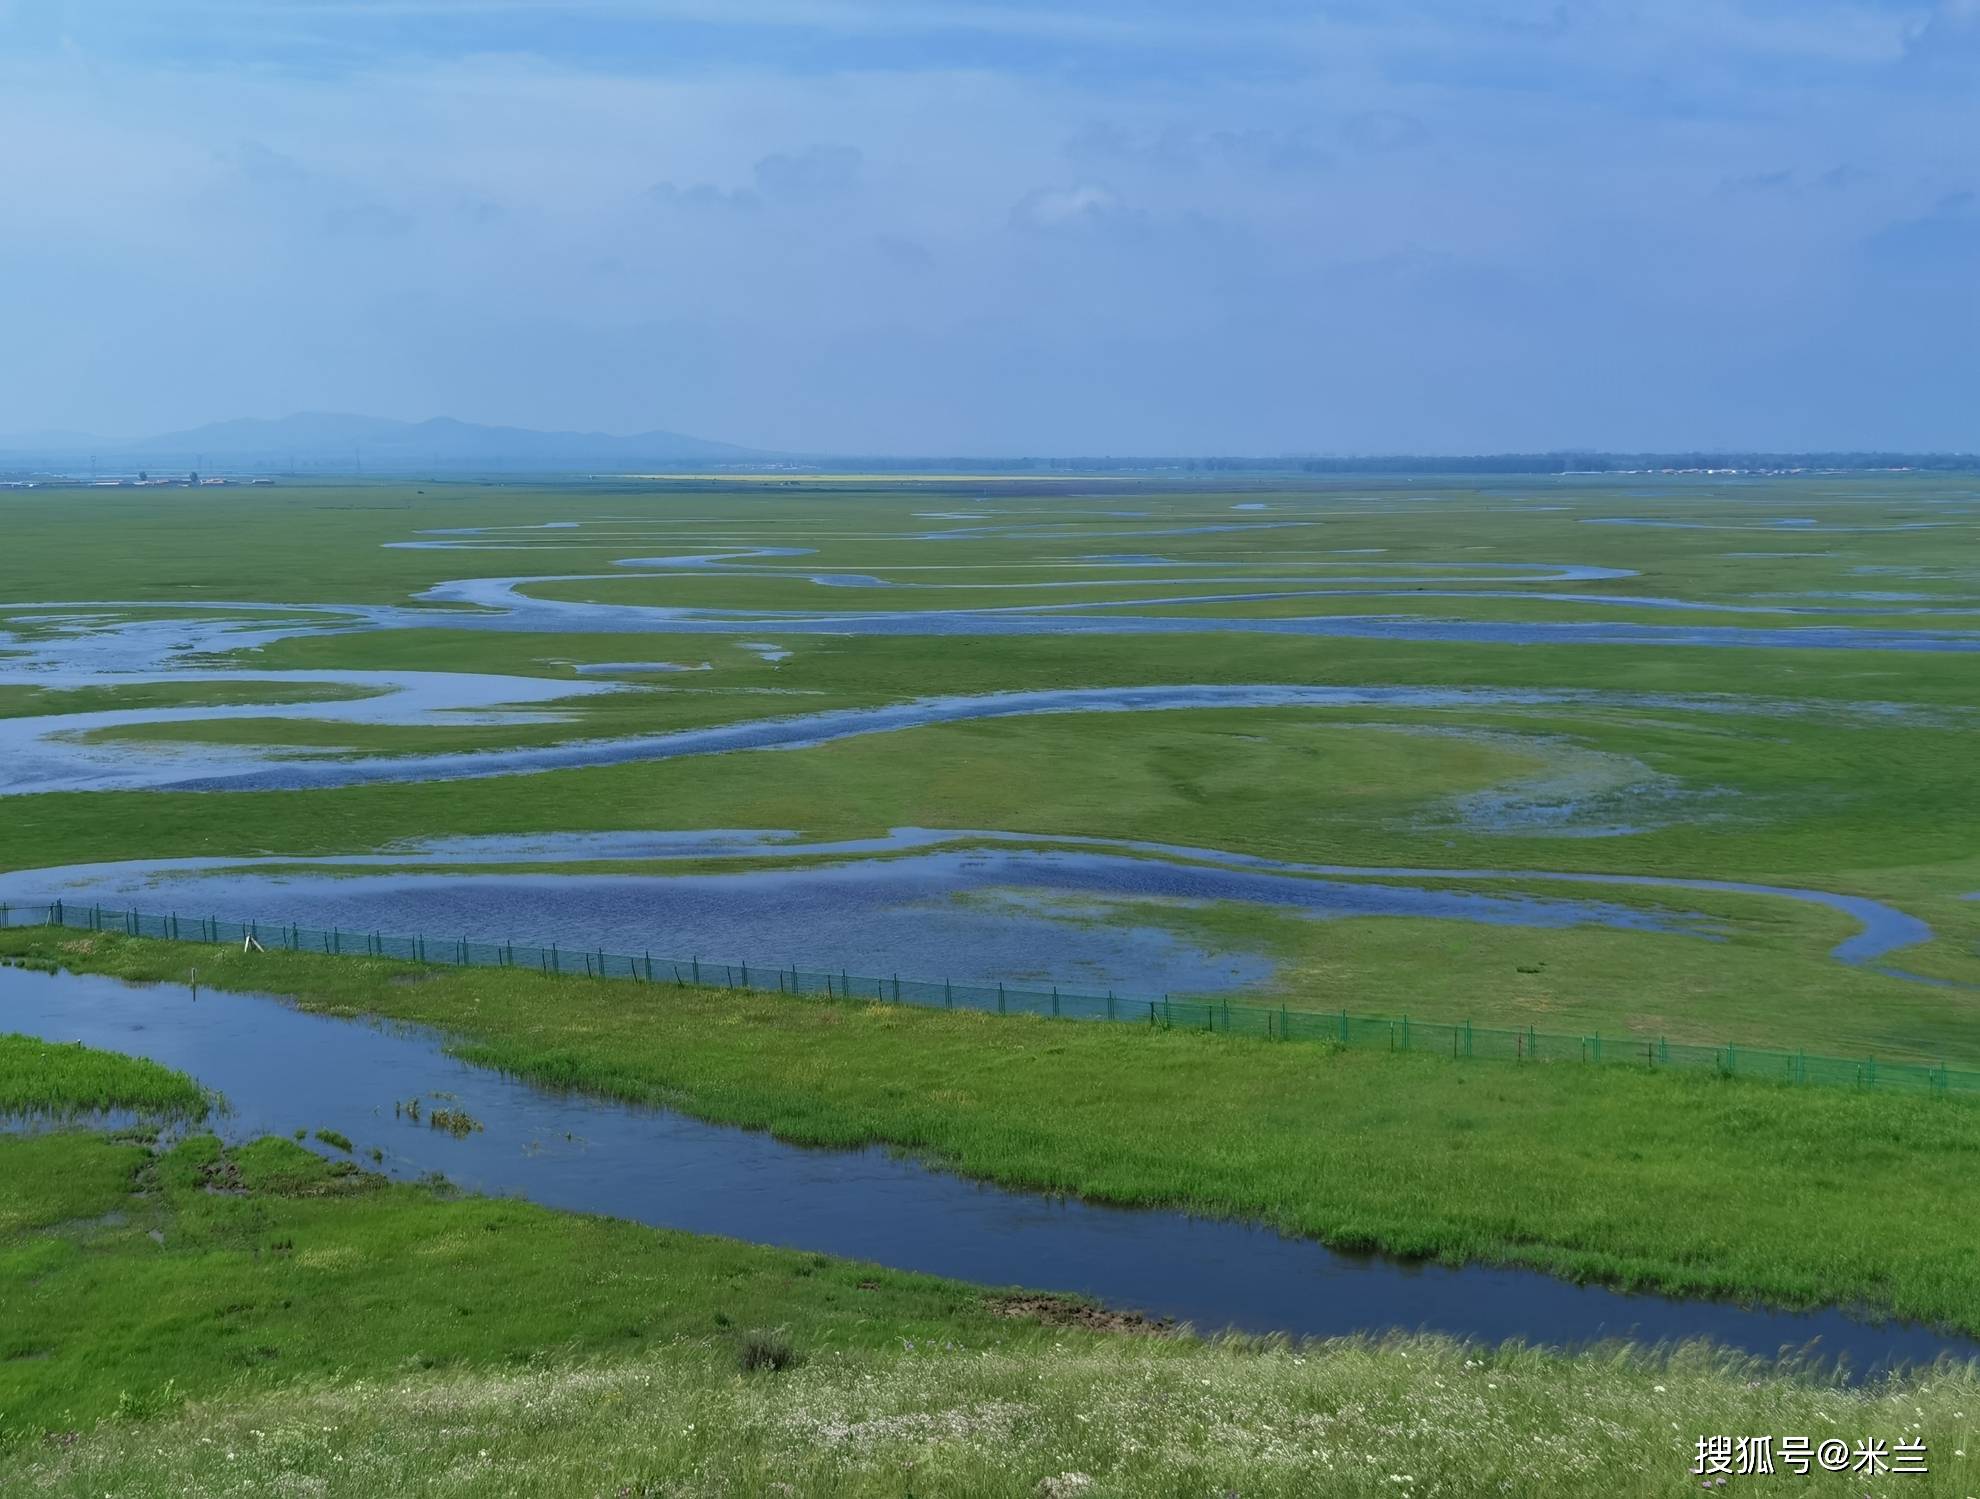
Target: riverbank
{"x":260,"y":1319}
{"x":1687,"y":1184}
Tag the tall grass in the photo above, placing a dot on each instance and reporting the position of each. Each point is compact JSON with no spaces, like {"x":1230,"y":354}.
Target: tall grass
{"x":1125,"y":1420}
{"x":44,"y":1079}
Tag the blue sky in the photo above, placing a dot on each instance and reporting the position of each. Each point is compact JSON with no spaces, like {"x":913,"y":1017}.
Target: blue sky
{"x":997,"y":227}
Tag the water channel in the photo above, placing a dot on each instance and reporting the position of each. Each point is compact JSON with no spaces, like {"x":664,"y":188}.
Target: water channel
{"x":281,"y":1070}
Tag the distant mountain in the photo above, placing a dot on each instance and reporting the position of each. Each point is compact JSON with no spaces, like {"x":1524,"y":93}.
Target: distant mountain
{"x":343,"y":442}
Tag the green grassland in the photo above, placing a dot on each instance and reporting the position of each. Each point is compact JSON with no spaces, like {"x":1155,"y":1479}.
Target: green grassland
{"x":1827,"y":802}
{"x":1846,"y":770}
{"x":257,"y":1319}
{"x":35,"y":702}
{"x":1593,"y":1172}
{"x":201,"y":1267}
{"x":38,"y":1078}
{"x":309,"y":1328}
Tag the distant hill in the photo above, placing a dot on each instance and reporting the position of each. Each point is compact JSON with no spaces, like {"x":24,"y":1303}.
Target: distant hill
{"x":343,"y":442}
{"x":320,"y":442}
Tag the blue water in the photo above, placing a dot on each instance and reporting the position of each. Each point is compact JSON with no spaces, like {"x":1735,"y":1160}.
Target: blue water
{"x":282,"y":1071}
{"x":975,"y":915}
{"x":44,"y":753}
{"x":966,"y":901}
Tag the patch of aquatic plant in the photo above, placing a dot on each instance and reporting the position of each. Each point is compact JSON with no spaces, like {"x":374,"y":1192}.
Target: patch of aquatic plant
{"x":448,"y":1117}
{"x":457,"y":1122}
{"x":335,"y":1139}
{"x":43,"y":1078}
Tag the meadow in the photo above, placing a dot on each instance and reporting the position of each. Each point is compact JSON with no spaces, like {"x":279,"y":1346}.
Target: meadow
{"x":1841,"y":770}
{"x":1627,"y":678}
{"x":311,"y":1327}
{"x":198,"y":1317}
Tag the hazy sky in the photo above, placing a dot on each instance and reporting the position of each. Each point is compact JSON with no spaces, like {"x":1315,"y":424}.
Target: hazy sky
{"x":1002,"y":226}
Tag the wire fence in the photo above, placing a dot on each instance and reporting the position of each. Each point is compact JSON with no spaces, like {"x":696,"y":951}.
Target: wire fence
{"x":1275,"y":1023}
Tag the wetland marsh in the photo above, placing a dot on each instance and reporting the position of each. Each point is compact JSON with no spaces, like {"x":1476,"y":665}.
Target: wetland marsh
{"x":1494,"y":751}
{"x":1299,"y":674}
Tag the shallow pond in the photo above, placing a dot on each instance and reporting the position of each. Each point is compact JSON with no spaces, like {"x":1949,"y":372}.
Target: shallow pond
{"x":979,"y":915}
{"x":963,"y":904}
{"x":282,"y":1070}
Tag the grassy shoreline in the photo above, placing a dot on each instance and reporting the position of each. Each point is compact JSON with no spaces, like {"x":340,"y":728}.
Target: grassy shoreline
{"x":256,"y":1319}
{"x":49,"y":1080}
{"x":1688,"y":1184}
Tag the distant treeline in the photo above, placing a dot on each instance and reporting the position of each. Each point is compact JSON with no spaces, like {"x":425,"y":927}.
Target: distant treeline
{"x":1476,"y":463}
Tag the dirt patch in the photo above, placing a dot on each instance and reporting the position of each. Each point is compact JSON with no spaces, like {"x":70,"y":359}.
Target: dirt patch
{"x":223,"y":1178}
{"x":1058,"y":1311}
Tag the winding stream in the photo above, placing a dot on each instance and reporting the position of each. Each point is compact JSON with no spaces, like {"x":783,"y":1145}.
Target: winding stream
{"x":45,"y":752}
{"x":282,"y":1070}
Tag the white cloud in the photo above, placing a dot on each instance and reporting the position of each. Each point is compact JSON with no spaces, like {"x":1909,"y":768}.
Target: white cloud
{"x":1085,"y":206}
{"x":966,"y":246}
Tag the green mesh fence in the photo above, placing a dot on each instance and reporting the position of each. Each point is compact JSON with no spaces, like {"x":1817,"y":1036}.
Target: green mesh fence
{"x":1275,"y":1023}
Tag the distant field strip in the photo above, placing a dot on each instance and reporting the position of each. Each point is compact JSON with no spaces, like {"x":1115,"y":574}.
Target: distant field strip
{"x":1281,"y":1023}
